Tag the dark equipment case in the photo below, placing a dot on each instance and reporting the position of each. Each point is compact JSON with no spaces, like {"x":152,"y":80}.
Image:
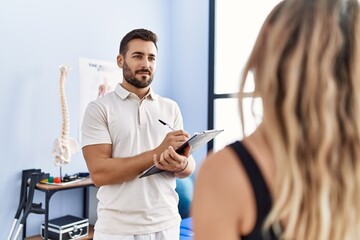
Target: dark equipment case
{"x":66,"y":227}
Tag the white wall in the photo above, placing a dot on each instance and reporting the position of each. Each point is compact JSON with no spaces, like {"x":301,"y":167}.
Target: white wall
{"x":37,"y":36}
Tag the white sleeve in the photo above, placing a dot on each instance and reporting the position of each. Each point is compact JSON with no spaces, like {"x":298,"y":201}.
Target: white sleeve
{"x":94,"y":128}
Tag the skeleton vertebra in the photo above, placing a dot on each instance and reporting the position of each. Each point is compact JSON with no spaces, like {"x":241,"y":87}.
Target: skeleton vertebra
{"x":64,"y":146}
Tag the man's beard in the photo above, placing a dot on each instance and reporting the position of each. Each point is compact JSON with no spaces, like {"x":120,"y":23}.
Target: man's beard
{"x":130,"y":78}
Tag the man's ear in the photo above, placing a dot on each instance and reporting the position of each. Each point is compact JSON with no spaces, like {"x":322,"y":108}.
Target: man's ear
{"x":120,"y":60}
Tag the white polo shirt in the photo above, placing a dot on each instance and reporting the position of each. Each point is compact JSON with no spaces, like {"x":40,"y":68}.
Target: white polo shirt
{"x":131,"y":125}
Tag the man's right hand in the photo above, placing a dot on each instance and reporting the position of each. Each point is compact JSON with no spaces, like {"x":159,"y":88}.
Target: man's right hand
{"x":174,"y":139}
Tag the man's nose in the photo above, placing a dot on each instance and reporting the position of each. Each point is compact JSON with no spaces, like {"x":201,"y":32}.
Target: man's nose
{"x":146,"y":63}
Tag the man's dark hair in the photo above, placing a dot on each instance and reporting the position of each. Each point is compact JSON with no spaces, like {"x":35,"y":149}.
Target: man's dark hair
{"x":141,"y":33}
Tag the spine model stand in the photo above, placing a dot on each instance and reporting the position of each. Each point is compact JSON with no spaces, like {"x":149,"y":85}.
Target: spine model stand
{"x":64,"y":146}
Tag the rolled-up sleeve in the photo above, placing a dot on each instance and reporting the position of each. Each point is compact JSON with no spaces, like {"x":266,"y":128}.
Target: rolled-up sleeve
{"x":94,"y":128}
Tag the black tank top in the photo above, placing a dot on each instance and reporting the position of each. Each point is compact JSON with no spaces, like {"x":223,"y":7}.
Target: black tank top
{"x":261,"y":190}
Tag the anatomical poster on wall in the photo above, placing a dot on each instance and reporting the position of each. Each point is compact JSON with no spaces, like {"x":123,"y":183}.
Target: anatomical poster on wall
{"x":97,"y":78}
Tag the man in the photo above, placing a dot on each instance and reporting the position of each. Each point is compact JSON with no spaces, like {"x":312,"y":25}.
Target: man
{"x":122,"y":137}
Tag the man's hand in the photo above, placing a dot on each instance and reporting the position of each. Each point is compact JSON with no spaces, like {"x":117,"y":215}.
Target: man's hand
{"x":170,"y":160}
{"x":174,"y":139}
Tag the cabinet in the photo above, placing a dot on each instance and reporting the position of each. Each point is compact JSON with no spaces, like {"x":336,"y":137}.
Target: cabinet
{"x":49,"y":190}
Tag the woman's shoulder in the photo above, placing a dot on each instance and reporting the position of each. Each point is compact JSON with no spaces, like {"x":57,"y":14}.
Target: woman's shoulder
{"x":222,"y":177}
{"x":221,"y":162}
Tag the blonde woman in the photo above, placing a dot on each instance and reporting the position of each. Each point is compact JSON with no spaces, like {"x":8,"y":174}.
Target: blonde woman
{"x":298,"y":175}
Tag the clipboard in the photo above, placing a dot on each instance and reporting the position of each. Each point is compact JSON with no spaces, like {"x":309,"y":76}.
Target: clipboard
{"x":196,"y":141}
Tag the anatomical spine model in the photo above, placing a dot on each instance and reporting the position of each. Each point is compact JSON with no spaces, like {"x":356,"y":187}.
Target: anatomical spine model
{"x":64,"y":146}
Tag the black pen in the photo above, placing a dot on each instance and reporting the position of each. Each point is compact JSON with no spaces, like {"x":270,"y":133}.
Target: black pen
{"x":166,"y":124}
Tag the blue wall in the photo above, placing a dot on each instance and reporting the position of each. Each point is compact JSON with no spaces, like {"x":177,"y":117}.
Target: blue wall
{"x":37,"y":36}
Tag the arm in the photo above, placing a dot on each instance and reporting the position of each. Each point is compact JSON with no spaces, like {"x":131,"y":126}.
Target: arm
{"x":218,"y":206}
{"x":106,"y":170}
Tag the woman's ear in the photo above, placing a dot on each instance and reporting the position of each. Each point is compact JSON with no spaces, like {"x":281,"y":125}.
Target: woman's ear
{"x":120,"y":60}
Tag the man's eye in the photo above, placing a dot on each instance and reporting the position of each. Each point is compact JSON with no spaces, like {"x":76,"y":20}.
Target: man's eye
{"x":137,"y":56}
{"x":152,"y":59}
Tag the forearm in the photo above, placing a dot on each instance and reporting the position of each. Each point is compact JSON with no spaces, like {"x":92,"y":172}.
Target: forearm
{"x":118,"y":170}
{"x":105,"y":170}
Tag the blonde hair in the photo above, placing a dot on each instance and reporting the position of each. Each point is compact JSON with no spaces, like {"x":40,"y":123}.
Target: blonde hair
{"x":306,"y":69}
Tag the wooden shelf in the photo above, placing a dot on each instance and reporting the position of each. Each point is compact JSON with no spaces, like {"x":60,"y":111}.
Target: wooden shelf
{"x":50,"y":189}
{"x":89,"y":236}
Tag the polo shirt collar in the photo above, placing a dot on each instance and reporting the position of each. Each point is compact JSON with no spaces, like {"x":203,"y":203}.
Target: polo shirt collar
{"x":123,"y":93}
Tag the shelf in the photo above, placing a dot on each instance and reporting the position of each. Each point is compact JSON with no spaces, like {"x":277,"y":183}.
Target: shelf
{"x":51,"y":189}
{"x":89,"y":236}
